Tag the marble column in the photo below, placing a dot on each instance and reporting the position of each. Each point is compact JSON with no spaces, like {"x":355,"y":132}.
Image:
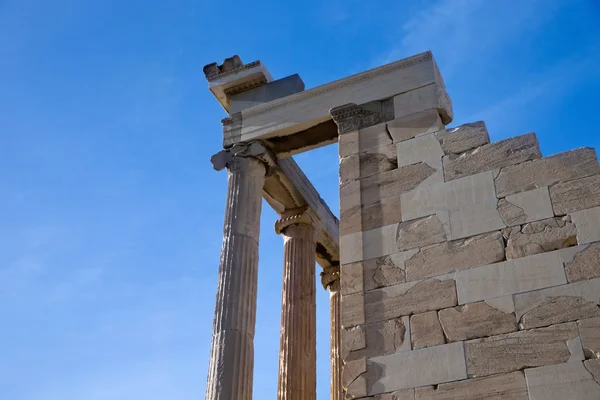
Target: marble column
{"x":330,"y":278}
{"x":298,"y":347}
{"x":232,"y":352}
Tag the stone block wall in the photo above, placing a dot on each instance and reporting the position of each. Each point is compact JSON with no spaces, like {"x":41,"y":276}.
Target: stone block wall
{"x":470,"y":269}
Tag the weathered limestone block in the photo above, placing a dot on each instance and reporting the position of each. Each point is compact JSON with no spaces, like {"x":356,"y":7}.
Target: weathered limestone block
{"x":446,"y":257}
{"x":432,"y":96}
{"x":444,"y":196}
{"x":424,"y":148}
{"x":386,"y":271}
{"x":351,"y":278}
{"x":369,"y":163}
{"x":510,"y":277}
{"x":464,"y":137}
{"x":547,"y":171}
{"x":408,"y":298}
{"x":474,"y":219}
{"x":558,"y":304}
{"x":500,"y":387}
{"x":589,"y":329}
{"x":363,"y":140}
{"x":351,"y":248}
{"x":420,"y":123}
{"x":492,"y":156}
{"x":540,"y":236}
{"x":520,"y":208}
{"x":409,"y":369}
{"x":382,"y":338}
{"x":352,"y":370}
{"x":593,"y":366}
{"x":353,"y":339}
{"x":408,"y":394}
{"x":353,"y":310}
{"x":475,"y":320}
{"x":575,"y":195}
{"x":426,"y":330}
{"x":370,"y":216}
{"x":561,"y":382}
{"x":585,"y":264}
{"x":588,"y":223}
{"x":420,"y":232}
{"x":518,"y":350}
{"x":358,"y":388}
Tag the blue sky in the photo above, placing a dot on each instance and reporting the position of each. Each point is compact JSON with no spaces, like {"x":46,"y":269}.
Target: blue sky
{"x":110,"y":213}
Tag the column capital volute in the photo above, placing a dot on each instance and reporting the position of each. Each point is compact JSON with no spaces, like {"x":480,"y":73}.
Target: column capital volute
{"x":350,"y":117}
{"x":330,"y":277}
{"x":255,"y":149}
{"x":302,"y":215}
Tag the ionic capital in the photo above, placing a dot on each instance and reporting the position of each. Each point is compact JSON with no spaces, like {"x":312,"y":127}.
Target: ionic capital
{"x":255,"y":149}
{"x":330,"y":278}
{"x":350,"y":117}
{"x":299,"y":216}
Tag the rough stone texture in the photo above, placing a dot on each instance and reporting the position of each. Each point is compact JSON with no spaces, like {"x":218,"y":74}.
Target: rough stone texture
{"x":558,"y":304}
{"x":547,"y":171}
{"x":540,"y":236}
{"x":297,"y":376}
{"x":352,"y":370}
{"x":589,"y":329}
{"x":363,"y":165}
{"x":585,"y":264}
{"x":408,"y":298}
{"x":446,"y":257}
{"x":351,"y":278}
{"x":386,"y":271}
{"x":426,"y":330}
{"x":518,"y":350}
{"x":562,"y":382}
{"x":575,"y":195}
{"x":444,"y":196}
{"x":500,"y":387}
{"x":475,"y":320}
{"x":384,"y":338}
{"x":427,"y":121}
{"x":421,"y":232}
{"x":492,"y":156}
{"x":409,"y":369}
{"x":353,"y":310}
{"x":408,"y":394}
{"x":524,"y":207}
{"x":424,"y":148}
{"x":593,"y":367}
{"x":371,"y":138}
{"x":587,"y":222}
{"x":353,"y":339}
{"x":464,"y":137}
{"x":510,"y":277}
{"x":370,"y":216}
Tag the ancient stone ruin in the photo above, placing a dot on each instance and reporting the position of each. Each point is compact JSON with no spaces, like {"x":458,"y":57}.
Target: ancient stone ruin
{"x":459,"y":268}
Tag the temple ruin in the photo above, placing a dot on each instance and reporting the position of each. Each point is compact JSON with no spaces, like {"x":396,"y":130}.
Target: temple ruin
{"x":459,"y":268}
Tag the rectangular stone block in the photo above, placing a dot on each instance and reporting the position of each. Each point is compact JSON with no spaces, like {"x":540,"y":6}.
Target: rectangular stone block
{"x":588,"y":225}
{"x":351,"y":278}
{"x":444,"y":196}
{"x":524,"y":207}
{"x":562,"y":382}
{"x":262,"y":94}
{"x":393,"y":183}
{"x":510,"y":277}
{"x":420,"y":232}
{"x":429,"y":366}
{"x":432,"y":96}
{"x":474,"y":219}
{"x":492,"y":156}
{"x":407,"y":394}
{"x":500,"y":387}
{"x":383,"y":338}
{"x":369,"y":163}
{"x":408,"y":298}
{"x":475,"y":320}
{"x":515,"y":351}
{"x":547,"y":171}
{"x":589,"y":330}
{"x":351,"y":248}
{"x":585,"y":264}
{"x":558,"y":304}
{"x":576,"y":195}
{"x":427,"y":121}
{"x":447,"y":257}
{"x":464,"y":137}
{"x":370,"y":216}
{"x":386,"y":271}
{"x":426,"y":330}
{"x":352,"y":310}
{"x":424,"y":148}
{"x":540,"y":236}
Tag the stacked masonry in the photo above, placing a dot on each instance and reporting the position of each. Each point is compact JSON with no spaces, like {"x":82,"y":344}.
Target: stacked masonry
{"x":470,"y":269}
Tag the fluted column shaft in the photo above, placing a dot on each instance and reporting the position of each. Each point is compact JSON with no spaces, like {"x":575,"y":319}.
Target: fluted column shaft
{"x":298,"y":352}
{"x":335,"y":341}
{"x":232,"y":351}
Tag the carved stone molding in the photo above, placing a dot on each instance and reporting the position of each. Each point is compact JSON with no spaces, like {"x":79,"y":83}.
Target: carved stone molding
{"x":251,"y":149}
{"x":301,"y":215}
{"x":350,"y":117}
{"x":330,"y":277}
